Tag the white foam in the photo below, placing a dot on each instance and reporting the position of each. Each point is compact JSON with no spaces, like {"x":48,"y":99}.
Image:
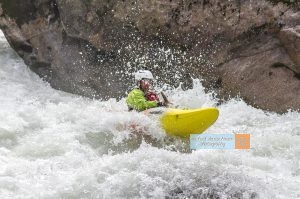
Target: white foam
{"x":58,"y":145}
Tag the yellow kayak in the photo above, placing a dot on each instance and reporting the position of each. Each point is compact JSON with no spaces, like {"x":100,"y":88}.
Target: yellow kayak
{"x":182,"y":123}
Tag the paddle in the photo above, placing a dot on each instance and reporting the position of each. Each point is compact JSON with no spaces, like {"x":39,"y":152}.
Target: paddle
{"x":166,"y":101}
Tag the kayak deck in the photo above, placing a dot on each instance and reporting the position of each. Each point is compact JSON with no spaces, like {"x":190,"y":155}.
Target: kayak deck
{"x":182,"y":123}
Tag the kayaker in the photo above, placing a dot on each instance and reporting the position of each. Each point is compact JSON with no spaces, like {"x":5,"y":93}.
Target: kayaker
{"x":144,"y":96}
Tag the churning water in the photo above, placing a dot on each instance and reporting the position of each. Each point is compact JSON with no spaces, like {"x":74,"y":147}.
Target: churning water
{"x":58,"y":145}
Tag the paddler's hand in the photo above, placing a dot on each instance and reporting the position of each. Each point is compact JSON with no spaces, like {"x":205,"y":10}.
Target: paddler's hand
{"x":163,"y":104}
{"x":160,"y":104}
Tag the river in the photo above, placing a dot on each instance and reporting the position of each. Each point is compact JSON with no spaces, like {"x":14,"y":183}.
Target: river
{"x":58,"y":145}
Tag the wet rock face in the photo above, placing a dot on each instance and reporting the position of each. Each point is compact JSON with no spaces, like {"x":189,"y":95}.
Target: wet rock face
{"x":262,"y":69}
{"x":290,"y":38}
{"x":245,"y":48}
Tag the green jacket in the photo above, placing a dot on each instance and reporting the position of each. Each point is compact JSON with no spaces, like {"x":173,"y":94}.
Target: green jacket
{"x":137,"y":101}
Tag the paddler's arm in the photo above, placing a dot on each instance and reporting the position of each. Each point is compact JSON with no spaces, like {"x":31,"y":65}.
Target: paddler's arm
{"x":137,"y":101}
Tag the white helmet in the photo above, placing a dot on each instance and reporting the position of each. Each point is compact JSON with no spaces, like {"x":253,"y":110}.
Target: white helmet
{"x":143,"y":74}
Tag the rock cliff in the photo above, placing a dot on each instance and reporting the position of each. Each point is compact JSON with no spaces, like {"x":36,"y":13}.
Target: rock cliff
{"x":249,"y":49}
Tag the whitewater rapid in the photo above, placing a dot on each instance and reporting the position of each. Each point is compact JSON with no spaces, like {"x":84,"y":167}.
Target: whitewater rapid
{"x":58,"y":145}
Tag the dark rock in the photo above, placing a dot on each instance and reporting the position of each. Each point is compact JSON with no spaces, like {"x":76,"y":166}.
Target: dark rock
{"x":91,"y":47}
{"x":261,"y":75}
{"x":290,"y":38}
